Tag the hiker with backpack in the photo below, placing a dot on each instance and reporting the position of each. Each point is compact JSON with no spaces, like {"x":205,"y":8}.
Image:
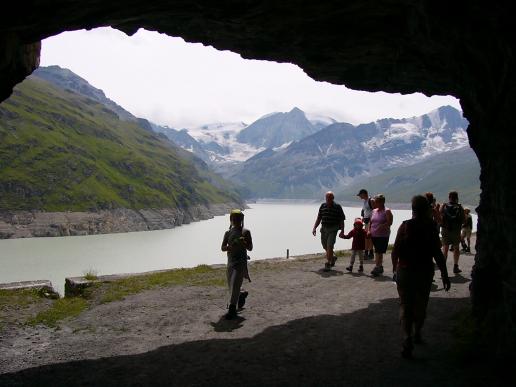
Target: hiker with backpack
{"x":452,"y":218}
{"x":367,"y":210}
{"x":237,"y":241}
{"x":417,"y":244}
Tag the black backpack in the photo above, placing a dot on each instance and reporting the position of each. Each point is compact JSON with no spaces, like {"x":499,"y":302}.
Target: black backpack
{"x":453,"y":216}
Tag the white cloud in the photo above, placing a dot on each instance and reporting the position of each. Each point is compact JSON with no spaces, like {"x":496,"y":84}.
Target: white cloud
{"x":179,"y":84}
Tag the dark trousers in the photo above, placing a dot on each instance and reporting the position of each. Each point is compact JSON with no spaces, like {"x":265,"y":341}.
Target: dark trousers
{"x":414,"y":291}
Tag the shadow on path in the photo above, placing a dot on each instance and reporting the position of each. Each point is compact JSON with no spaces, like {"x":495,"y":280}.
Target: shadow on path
{"x":328,"y":274}
{"x":459,"y":279}
{"x":355,"y":349}
{"x":224,"y":325}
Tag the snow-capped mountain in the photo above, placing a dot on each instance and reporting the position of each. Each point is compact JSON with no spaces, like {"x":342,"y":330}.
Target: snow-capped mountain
{"x":231,"y":143}
{"x":274,"y":130}
{"x":340,"y":153}
{"x":219,"y":141}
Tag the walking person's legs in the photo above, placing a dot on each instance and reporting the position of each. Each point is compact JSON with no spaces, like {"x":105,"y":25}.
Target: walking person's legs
{"x":361,"y":260}
{"x":406,"y":311}
{"x":352,"y":260}
{"x":235,"y":276}
{"x":422,"y":289}
{"x":380,"y":247}
{"x":456,"y":255}
{"x":328,"y":238}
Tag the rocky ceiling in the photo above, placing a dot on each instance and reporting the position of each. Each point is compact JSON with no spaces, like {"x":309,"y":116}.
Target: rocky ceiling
{"x":463,"y":48}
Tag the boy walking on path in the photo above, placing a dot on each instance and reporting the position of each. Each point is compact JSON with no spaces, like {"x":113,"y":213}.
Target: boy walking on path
{"x":237,"y":241}
{"x":332,"y":217}
{"x":357,"y":247}
{"x":452,"y":215}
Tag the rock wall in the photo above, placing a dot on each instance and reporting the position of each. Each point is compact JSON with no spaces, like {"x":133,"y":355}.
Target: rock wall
{"x":463,"y":48}
{"x":27,"y":224}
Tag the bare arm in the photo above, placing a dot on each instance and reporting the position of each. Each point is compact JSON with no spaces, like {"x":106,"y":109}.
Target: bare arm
{"x":248,"y":240}
{"x":395,"y":256}
{"x":317,"y":222}
{"x":388,"y":215}
{"x":225,"y":245}
{"x":341,"y":228}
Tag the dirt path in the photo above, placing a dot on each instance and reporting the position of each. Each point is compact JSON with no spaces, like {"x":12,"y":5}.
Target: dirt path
{"x":301,"y":326}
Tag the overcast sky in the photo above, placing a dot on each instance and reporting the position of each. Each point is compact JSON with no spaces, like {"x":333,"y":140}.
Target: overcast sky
{"x":180,"y":84}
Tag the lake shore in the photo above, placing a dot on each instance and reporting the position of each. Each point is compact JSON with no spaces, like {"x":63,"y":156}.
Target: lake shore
{"x":29,"y":224}
{"x":300,"y":326}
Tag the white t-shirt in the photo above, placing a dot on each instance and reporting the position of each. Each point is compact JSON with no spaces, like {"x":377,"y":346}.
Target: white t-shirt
{"x":367,"y":209}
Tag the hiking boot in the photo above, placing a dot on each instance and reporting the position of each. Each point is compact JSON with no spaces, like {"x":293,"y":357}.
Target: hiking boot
{"x":360,"y":269}
{"x":468,"y":250}
{"x":349,"y":268}
{"x":456,"y":269}
{"x":241,"y":299}
{"x":377,"y":271}
{"x":231,"y":314}
{"x":333,"y":260}
{"x":327,"y":267}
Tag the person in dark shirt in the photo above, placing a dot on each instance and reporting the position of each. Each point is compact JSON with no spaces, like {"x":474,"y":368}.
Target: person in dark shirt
{"x":236,"y":242}
{"x":331,"y":217}
{"x":417,"y":243}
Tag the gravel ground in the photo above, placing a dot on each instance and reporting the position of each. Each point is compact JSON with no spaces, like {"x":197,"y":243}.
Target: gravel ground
{"x":300,"y":326}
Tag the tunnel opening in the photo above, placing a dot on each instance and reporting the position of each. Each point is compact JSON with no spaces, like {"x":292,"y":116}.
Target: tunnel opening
{"x":478,"y":69}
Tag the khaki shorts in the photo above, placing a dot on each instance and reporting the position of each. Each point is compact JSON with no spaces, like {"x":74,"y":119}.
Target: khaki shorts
{"x":329,"y":236}
{"x":466,"y":233}
{"x":450,"y":237}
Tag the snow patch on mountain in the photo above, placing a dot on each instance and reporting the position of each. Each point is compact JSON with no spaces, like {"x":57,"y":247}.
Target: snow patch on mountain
{"x":319,"y":118}
{"x":224,"y":136}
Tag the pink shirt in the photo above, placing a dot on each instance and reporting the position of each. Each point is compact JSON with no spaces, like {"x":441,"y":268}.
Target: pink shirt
{"x":379,"y":226}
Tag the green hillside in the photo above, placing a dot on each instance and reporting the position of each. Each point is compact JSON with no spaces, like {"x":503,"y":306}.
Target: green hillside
{"x":456,"y":170}
{"x":60,"y":151}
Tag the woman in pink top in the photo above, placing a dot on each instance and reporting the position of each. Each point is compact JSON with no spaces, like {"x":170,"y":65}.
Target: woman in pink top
{"x":379,"y":232}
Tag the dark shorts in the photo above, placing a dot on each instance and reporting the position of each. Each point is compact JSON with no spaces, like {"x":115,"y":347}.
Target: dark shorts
{"x":450,"y":237}
{"x":329,"y":236}
{"x":380,"y":244}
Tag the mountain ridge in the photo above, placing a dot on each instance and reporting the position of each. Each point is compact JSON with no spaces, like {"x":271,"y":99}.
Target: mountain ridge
{"x":62,"y":151}
{"x":340,"y":153}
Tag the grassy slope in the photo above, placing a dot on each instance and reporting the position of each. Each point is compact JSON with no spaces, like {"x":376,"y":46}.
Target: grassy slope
{"x":457,"y":170}
{"x":63,"y":152}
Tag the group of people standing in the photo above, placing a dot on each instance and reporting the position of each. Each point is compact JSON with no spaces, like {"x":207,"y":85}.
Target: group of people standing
{"x":416,"y":247}
{"x":370,"y":231}
{"x":373,"y":229}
